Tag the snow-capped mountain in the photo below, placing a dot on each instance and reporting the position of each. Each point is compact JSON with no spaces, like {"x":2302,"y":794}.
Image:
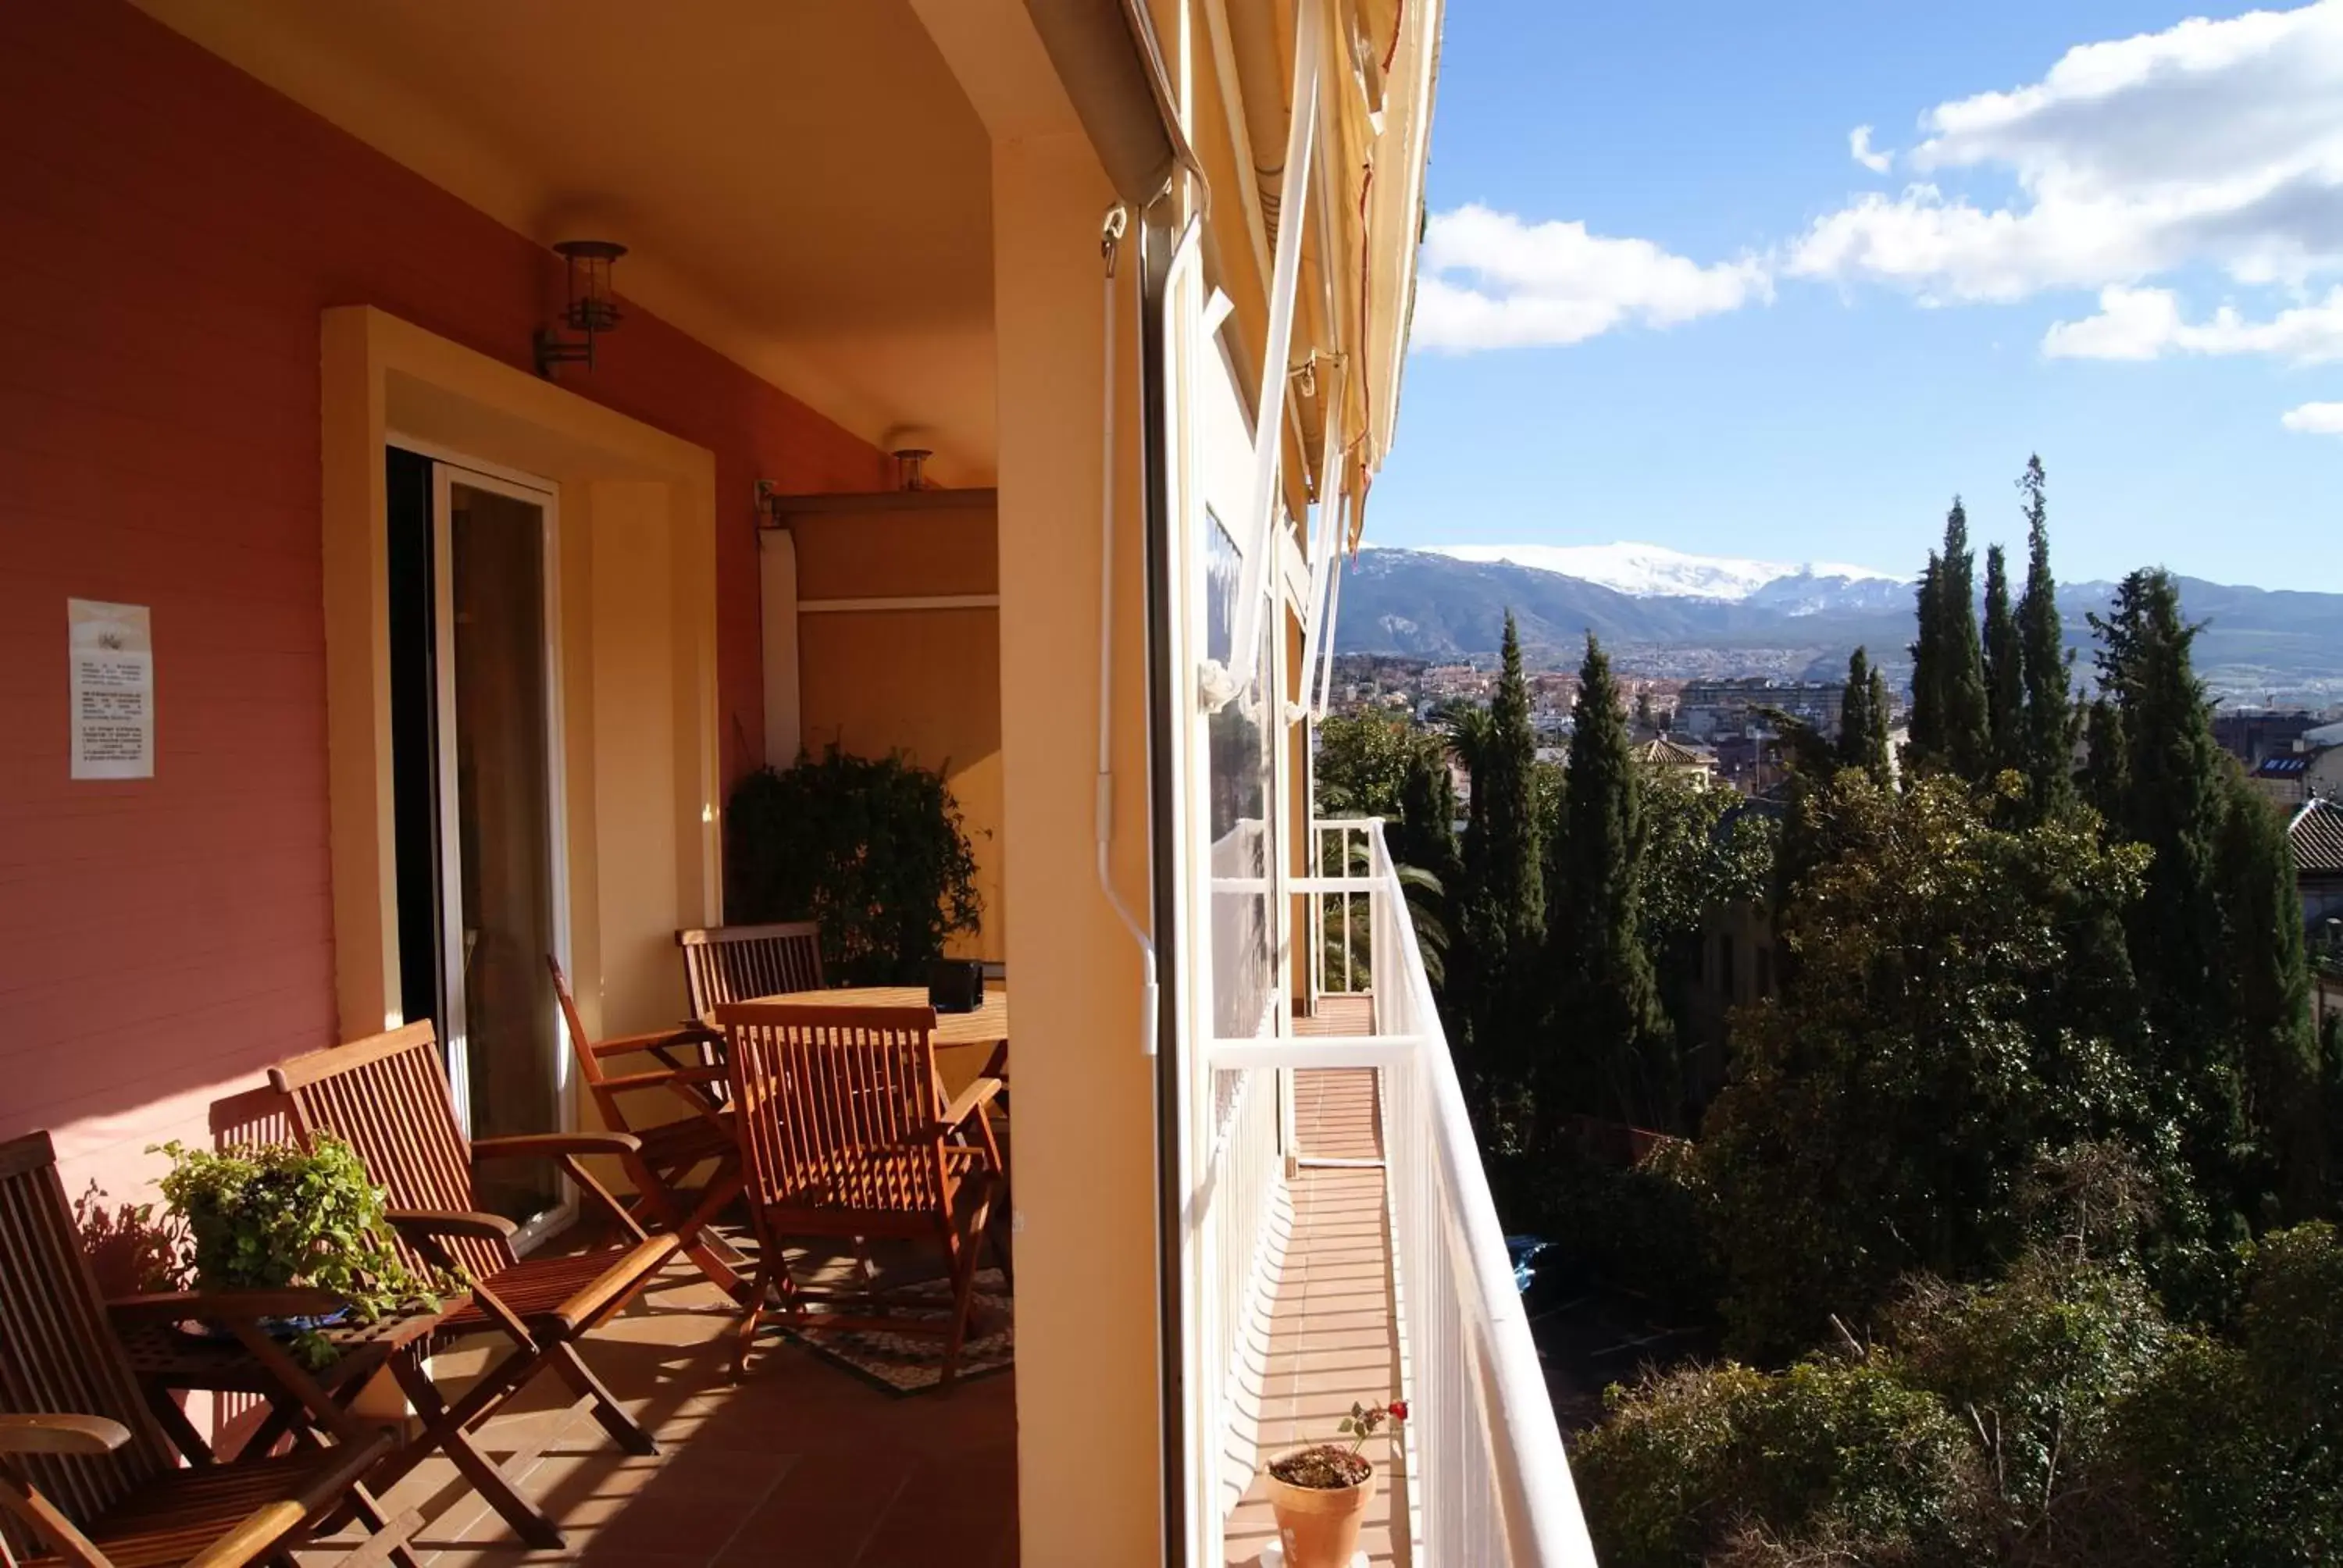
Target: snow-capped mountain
{"x":1655,"y":571}
{"x":1683,"y":614}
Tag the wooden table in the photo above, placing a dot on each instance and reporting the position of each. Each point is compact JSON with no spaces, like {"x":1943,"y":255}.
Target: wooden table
{"x":304,"y":1403}
{"x":986,"y":1026}
{"x":166,"y":1359}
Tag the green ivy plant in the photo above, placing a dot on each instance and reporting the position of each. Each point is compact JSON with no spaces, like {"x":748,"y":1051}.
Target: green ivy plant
{"x":873,"y":849}
{"x":278,"y":1216}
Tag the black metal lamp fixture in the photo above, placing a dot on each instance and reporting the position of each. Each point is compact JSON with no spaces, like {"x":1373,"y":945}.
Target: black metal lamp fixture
{"x":592,"y":307}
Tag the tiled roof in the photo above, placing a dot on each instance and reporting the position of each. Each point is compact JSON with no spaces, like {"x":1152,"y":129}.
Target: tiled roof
{"x":2317,"y":835}
{"x":1665,"y":753}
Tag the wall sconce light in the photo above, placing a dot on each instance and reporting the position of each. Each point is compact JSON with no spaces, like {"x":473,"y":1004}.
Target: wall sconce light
{"x":771,"y":514}
{"x":592,"y":308}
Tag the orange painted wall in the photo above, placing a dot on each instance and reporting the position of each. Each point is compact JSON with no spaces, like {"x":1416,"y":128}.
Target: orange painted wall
{"x":171,"y":231}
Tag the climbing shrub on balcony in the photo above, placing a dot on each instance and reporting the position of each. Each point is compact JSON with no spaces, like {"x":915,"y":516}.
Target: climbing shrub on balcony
{"x":874,"y":849}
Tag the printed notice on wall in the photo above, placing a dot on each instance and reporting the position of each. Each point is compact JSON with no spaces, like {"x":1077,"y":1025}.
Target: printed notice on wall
{"x":113,"y":688}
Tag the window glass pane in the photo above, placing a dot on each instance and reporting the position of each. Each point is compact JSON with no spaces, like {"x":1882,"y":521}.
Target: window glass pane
{"x":1240,"y":849}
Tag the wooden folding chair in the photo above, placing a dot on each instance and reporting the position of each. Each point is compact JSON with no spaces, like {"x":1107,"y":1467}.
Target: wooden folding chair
{"x":687,"y":1076}
{"x":844,"y":1133}
{"x":387,"y":1099}
{"x":741,"y":963}
{"x":86,"y":1475}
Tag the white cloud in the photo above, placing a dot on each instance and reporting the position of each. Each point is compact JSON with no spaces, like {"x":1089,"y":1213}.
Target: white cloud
{"x":2315,"y":419}
{"x":1858,"y":146}
{"x":1488,"y":280}
{"x":2147,"y":323}
{"x":2216,"y":143}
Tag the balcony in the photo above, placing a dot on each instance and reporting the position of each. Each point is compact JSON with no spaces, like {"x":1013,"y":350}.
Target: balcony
{"x":1353,"y":1248}
{"x":800,"y":1464}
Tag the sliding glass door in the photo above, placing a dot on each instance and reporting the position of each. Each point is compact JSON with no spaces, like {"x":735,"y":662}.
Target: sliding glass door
{"x":476,"y":723}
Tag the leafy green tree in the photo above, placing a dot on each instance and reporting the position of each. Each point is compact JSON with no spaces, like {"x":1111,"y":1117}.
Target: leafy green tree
{"x":1863,"y":719}
{"x":1500,"y":909}
{"x":1614,"y":1051}
{"x":2230,"y":1454}
{"x":2005,"y":671}
{"x":1705,"y":852}
{"x":2050,"y":1419}
{"x":1954,"y":1015}
{"x":1832,"y":1461}
{"x":2049,"y":664}
{"x":1361,"y":762}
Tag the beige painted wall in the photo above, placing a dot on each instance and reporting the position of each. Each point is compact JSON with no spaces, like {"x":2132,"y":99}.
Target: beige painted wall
{"x":923,"y":682}
{"x":1089,"y":1423}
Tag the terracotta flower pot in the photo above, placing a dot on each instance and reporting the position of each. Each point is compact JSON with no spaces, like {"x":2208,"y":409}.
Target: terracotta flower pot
{"x":1318,"y":1526}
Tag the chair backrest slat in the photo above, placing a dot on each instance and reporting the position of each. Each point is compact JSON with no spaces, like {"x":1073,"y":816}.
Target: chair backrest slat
{"x":582,"y":1046}
{"x":58,"y":1355}
{"x":838,"y":1106}
{"x":730,"y":964}
{"x":387,"y":1099}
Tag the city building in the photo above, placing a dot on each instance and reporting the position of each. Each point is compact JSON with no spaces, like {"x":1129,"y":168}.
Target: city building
{"x":1694,"y":764}
{"x":2254,"y":735}
{"x":490,"y":433}
{"x":1709,"y":709}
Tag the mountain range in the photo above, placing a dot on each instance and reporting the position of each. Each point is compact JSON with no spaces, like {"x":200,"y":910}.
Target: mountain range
{"x":1666,"y":613}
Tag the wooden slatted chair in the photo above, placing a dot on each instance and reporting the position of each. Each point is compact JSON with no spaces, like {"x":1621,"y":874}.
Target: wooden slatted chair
{"x":387,"y":1098}
{"x":688,"y":1077}
{"x":726,"y":964}
{"x":845,"y":1133}
{"x":86,"y":1475}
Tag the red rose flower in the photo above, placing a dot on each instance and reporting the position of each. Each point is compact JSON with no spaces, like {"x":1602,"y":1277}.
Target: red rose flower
{"x":1398,"y":1408}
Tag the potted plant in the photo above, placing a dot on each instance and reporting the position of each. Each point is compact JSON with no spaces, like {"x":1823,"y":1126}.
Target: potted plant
{"x":873,"y":849}
{"x":277,"y":1216}
{"x":1320,"y":1492}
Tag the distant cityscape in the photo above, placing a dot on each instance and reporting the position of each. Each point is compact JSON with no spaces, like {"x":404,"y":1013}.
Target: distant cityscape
{"x":1724,"y":729}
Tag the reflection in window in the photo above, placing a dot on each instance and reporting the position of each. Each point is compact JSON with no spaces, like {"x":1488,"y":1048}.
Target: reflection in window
{"x":1238,"y":742}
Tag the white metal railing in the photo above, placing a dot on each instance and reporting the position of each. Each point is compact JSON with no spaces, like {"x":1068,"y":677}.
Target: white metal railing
{"x":1242,"y":1205}
{"x":1488,"y":1479}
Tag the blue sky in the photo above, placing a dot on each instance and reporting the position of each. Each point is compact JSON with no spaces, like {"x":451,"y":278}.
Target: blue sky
{"x":2129,"y":257}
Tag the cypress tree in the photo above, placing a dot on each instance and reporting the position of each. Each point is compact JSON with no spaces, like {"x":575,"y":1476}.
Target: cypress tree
{"x":2171,"y":797}
{"x":2268,"y":975}
{"x":1862,"y":718}
{"x":1502,"y":912}
{"x":1613,"y":1055}
{"x":1927,"y":742}
{"x":1968,"y":721}
{"x":1951,"y":727}
{"x":2050,"y":698}
{"x":2106,"y":776}
{"x":1881,"y":761}
{"x":1424,"y":834}
{"x":2004,"y":674}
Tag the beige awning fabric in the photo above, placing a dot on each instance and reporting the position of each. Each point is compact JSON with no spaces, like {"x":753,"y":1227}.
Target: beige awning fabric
{"x":1361,"y":203}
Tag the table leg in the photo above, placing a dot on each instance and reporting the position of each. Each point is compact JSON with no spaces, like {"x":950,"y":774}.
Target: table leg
{"x":175,"y":1424}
